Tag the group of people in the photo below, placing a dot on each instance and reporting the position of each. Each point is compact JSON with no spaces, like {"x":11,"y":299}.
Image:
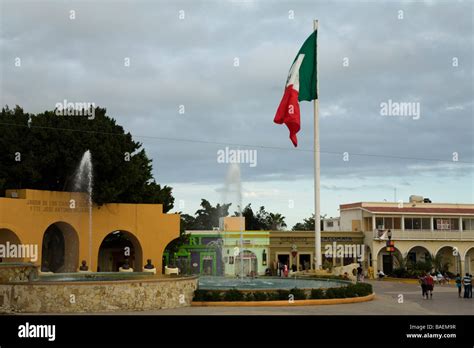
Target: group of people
{"x":282,"y":269}
{"x":427,"y":285}
{"x":465,"y":282}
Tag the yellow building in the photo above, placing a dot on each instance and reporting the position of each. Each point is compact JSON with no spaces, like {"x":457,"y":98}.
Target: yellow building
{"x":57,"y":224}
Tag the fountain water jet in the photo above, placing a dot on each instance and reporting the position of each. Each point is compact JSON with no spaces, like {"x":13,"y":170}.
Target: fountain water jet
{"x":84,"y":181}
{"x":233,"y":194}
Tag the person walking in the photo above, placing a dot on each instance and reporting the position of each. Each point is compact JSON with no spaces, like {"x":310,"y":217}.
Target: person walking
{"x":360,"y":273}
{"x":429,"y":285}
{"x":467,"y":282}
{"x":470,"y":286}
{"x":422,"y":281}
{"x":458,"y":281}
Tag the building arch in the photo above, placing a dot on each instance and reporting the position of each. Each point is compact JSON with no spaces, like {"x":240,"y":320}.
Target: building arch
{"x":60,"y":248}
{"x":175,"y":254}
{"x":387,"y":262}
{"x":418,"y":253}
{"x":448,"y":259}
{"x":7,"y":235}
{"x":445,"y":246}
{"x":116,"y":248}
{"x":246,"y":262}
{"x":469,"y":260}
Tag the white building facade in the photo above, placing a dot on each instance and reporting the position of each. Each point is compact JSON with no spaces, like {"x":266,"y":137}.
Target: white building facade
{"x":418,"y":229}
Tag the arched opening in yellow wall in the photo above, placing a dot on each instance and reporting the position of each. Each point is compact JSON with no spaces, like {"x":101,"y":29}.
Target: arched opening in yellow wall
{"x":60,"y":249}
{"x":447,"y":259}
{"x":9,"y":236}
{"x":117,"y":247}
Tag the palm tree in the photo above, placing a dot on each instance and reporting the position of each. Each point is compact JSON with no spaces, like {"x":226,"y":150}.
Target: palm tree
{"x":276,"y":221}
{"x":440,"y":264}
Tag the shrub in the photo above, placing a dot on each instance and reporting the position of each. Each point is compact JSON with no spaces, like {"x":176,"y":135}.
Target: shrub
{"x":336,"y":292}
{"x":214,"y":296}
{"x":233,"y":295}
{"x":298,"y":294}
{"x":358,"y":290}
{"x":260,"y":296}
{"x":283,"y":294}
{"x":400,"y":273}
{"x":200,"y":295}
{"x":352,"y":290}
{"x":207,"y":295}
{"x":272,"y":296}
{"x":249,"y":296}
{"x":317,"y":294}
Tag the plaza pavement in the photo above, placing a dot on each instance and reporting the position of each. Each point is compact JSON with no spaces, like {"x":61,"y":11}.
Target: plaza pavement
{"x":445,"y":301}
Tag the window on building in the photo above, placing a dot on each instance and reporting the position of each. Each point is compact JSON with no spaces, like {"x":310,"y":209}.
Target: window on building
{"x":425,"y":224}
{"x":455,"y":224}
{"x":442,"y":224}
{"x":468,"y":224}
{"x":330,"y":224}
{"x":408,"y":223}
{"x":416,"y":223}
{"x":397,"y":223}
{"x":388,"y":222}
{"x":379,"y":223}
{"x":447,"y":224}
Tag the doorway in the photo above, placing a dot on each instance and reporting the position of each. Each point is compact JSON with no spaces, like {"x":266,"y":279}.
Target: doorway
{"x":304,"y":262}
{"x":387,"y":264}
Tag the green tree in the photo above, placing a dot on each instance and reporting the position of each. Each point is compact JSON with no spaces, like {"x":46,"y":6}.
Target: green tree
{"x":308,"y":224}
{"x":276,"y":221}
{"x":208,"y":216}
{"x":52,"y":146}
{"x":261,"y":220}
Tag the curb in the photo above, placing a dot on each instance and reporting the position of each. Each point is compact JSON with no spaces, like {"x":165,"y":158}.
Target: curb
{"x":283,"y":303}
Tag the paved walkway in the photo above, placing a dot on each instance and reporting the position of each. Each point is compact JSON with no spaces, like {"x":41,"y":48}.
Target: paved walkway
{"x":445,"y":301}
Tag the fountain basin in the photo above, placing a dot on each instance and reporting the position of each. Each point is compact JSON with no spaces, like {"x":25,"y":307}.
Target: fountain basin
{"x":95,"y":292}
{"x":267,"y":283}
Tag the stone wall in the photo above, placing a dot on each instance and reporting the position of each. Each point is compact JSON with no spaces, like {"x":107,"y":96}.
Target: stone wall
{"x":17,"y":272}
{"x":103,"y":296}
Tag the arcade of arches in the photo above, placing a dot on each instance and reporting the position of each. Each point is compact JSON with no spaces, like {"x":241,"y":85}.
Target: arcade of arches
{"x":45,"y":219}
{"x":453,"y":256}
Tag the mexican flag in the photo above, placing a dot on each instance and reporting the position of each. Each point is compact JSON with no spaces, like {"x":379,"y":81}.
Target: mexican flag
{"x":301,"y":84}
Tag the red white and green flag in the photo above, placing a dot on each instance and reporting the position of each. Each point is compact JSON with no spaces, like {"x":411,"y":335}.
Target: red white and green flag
{"x":301,"y":84}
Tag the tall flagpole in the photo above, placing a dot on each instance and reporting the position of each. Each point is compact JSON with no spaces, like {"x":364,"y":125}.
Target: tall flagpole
{"x":317,"y":165}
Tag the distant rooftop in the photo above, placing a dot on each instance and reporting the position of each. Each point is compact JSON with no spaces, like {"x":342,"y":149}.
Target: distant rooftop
{"x":411,"y":207}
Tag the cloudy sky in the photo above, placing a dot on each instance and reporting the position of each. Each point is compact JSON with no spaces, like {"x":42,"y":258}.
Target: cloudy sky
{"x":184,"y":53}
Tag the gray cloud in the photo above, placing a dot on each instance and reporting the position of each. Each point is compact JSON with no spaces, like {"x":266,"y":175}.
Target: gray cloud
{"x":190,"y":62}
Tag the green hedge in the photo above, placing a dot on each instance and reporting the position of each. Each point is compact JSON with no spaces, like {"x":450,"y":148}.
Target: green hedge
{"x":234,"y":295}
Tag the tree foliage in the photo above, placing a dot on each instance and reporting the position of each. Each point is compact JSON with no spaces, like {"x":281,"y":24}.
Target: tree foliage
{"x":262,"y":220}
{"x":50,"y":149}
{"x":308,"y":224}
{"x":208,"y":216}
